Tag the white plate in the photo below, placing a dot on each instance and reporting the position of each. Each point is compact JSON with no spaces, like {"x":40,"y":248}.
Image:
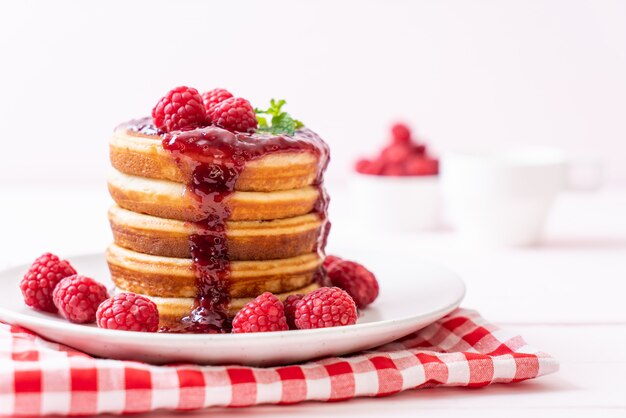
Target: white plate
{"x":413,"y":295}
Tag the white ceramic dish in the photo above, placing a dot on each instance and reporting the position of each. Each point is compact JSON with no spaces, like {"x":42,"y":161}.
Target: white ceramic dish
{"x":413,"y":295}
{"x":394,"y":203}
{"x":502,"y":196}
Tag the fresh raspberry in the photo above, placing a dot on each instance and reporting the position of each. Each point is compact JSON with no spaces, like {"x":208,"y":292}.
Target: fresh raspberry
{"x":394,"y":170}
{"x":128,"y":312}
{"x":78,"y":297}
{"x":40,"y":280}
{"x":213,"y":98}
{"x":418,"y":149}
{"x":290,"y":309}
{"x":325,"y":307}
{"x":395,"y":154}
{"x":180,"y":108}
{"x":401,"y":133}
{"x":359,"y":282}
{"x":235,"y":114}
{"x":376,"y":167}
{"x":330,"y":260}
{"x":421,"y":166}
{"x":371,"y":167}
{"x":362,"y":166}
{"x":263,"y":314}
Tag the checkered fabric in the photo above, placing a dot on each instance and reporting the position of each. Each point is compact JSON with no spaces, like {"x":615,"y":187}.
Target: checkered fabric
{"x":38,"y":377}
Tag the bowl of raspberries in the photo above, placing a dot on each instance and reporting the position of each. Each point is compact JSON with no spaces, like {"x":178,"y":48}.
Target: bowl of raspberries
{"x":398,"y":189}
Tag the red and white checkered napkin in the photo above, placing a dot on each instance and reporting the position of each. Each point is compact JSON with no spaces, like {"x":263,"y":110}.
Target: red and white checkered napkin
{"x":38,"y":377}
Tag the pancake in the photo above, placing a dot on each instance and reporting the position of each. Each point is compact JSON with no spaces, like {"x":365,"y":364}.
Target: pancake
{"x":172,"y":310}
{"x":208,"y":219}
{"x":143,"y":155}
{"x":167,"y":199}
{"x":175,"y":278}
{"x":246,"y":240}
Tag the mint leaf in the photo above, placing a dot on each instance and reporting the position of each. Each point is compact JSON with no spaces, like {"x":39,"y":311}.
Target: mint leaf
{"x":283,"y":123}
{"x":280,"y":122}
{"x":262,"y":121}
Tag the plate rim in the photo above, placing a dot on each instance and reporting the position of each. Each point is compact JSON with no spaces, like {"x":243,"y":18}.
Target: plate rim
{"x":69,"y":327}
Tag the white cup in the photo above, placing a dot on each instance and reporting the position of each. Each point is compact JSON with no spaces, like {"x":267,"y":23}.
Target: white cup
{"x":502,"y":197}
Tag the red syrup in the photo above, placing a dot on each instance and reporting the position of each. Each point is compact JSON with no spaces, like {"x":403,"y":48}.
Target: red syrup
{"x":216,"y":158}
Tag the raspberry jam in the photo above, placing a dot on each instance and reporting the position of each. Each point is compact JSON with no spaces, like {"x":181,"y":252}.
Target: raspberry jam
{"x":216,"y":157}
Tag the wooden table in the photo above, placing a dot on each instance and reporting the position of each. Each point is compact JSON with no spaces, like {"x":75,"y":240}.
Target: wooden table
{"x":565,"y":297}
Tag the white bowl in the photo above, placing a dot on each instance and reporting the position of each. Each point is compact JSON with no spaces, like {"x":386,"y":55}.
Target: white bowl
{"x":396,"y":204}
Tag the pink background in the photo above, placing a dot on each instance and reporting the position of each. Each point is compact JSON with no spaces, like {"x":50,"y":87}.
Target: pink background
{"x":463,"y":73}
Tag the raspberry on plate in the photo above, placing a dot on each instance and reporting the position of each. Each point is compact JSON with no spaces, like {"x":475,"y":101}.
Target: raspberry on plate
{"x":77,"y":298}
{"x":263,"y":314}
{"x":325,"y":307}
{"x":235,"y":114}
{"x":329,"y":260}
{"x":290,"y":309}
{"x":359,"y":282}
{"x":40,"y":280}
{"x":128,"y":312}
{"x":214,"y":97}
{"x":180,"y":108}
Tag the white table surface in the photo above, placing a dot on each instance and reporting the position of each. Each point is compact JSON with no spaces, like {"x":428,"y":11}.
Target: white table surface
{"x":565,"y":296}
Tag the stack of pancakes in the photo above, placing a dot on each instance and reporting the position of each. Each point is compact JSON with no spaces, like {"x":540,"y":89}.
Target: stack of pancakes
{"x":273,"y":232}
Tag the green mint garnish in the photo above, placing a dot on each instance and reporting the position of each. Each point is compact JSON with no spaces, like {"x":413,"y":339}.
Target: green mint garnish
{"x":280,"y":122}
